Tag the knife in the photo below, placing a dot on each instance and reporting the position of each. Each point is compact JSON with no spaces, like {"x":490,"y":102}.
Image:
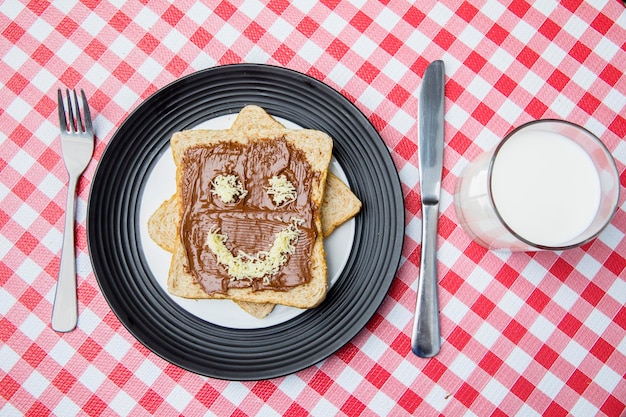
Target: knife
{"x":425,"y":340}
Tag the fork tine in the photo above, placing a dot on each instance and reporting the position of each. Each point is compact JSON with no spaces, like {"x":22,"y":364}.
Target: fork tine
{"x":70,"y":111}
{"x":88,"y":126}
{"x":62,"y":119}
{"x":79,"y":120}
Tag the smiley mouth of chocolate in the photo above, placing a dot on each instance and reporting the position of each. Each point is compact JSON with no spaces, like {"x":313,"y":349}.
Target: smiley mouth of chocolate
{"x":262,"y":264}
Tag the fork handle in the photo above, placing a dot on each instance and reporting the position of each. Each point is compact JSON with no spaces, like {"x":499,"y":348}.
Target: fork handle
{"x":65,"y":307}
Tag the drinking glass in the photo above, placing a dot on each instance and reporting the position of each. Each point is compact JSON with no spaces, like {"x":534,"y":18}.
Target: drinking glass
{"x":548,"y":185}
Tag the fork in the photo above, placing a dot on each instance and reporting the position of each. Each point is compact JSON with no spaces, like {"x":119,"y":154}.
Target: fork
{"x":77,"y":143}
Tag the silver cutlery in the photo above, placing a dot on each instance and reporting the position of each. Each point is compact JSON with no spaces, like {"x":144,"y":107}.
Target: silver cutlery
{"x":77,"y":143}
{"x":426,"y":340}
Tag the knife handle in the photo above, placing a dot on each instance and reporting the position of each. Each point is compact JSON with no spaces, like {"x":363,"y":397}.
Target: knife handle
{"x":425,"y":340}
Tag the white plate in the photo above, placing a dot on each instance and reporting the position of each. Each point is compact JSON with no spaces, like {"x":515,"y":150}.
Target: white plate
{"x":161,"y":185}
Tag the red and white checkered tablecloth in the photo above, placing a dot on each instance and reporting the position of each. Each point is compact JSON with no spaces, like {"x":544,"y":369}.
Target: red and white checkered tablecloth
{"x":522,"y":334}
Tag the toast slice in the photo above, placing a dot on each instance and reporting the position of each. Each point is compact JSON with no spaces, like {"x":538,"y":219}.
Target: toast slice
{"x":209,"y":260}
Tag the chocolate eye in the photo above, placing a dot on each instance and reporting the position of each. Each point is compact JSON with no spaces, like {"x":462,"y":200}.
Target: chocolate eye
{"x":228,"y":188}
{"x":281,"y":190}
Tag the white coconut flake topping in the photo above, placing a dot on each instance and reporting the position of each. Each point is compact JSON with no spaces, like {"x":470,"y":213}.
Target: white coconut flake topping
{"x":263,"y":264}
{"x":228,"y":188}
{"x":282,"y":190}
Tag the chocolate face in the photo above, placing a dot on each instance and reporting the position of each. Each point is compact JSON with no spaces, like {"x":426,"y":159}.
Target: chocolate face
{"x":248,"y":219}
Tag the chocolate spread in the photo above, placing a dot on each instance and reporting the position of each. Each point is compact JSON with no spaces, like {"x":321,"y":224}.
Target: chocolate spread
{"x":252,"y":222}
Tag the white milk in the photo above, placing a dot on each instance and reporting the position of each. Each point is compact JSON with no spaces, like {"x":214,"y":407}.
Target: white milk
{"x":545,"y":187}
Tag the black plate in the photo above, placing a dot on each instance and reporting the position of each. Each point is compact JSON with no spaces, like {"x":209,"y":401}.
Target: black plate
{"x":178,"y":336}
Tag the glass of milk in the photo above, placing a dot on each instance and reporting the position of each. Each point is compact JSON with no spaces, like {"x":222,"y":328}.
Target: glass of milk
{"x":548,"y":185}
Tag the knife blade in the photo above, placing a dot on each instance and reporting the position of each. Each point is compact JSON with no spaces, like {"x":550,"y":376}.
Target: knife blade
{"x":425,"y":339}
